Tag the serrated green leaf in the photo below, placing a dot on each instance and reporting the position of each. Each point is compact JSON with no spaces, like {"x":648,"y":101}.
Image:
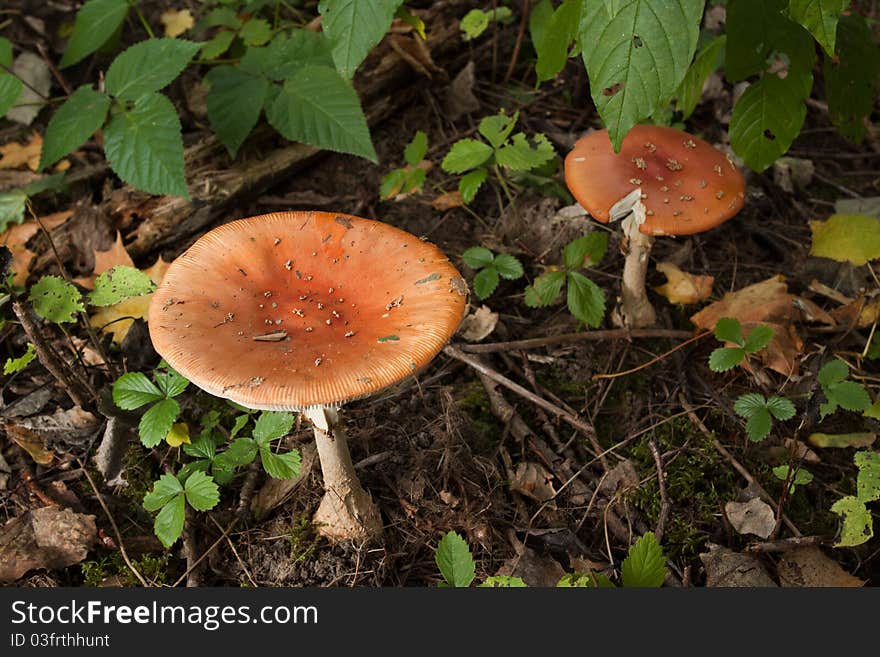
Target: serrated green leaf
{"x":553,"y":41}
{"x":747,"y":404}
{"x":801,"y":477}
{"x":508,"y":266}
{"x":415,"y":178}
{"x":820,"y":18}
{"x":95,"y":23}
{"x":222,"y":16}
{"x":849,"y":395}
{"x":169,"y":523}
{"x":319,"y":108}
{"x":470,"y":184}
{"x":201,"y":491}
{"x":766,"y":119}
{"x":781,"y":408}
{"x":171,"y":383}
{"x":478,"y":257}
{"x":575,"y":252}
{"x":465,"y":155}
{"x":354,"y":27}
{"x":759,"y":424}
{"x":133,"y":390}
{"x":235,"y":100}
{"x":834,"y":371}
{"x":851,"y":238}
{"x":119,"y":283}
{"x":636,"y":53}
{"x":14,"y":365}
{"x":416,"y":149}
{"x":238,"y":425}
{"x":271,"y":425}
{"x":852,"y":76}
{"x":524,"y":155}
{"x":217,"y":45}
{"x":12,"y":206}
{"x":281,"y":466}
{"x":502,"y":582}
{"x":165,"y":489}
{"x":485,"y":282}
{"x":497,"y":128}
{"x":392,"y":183}
{"x":289,"y":52}
{"x":758,"y":338}
{"x":157,"y":422}
{"x":144,"y":147}
{"x":645,"y":565}
{"x":728,"y":329}
{"x":56,"y":300}
{"x":691,"y":88}
{"x":240,"y":452}
{"x":726,"y":358}
{"x":73,"y":123}
{"x":585,"y":299}
{"x":148,"y":66}
{"x":868,"y":483}
{"x":202,"y":447}
{"x":545,"y":290}
{"x":256,"y":32}
{"x":10,"y":86}
{"x":453,"y":558}
{"x":858,"y":526}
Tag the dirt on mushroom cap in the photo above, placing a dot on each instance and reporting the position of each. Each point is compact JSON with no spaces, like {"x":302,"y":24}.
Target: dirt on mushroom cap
{"x":293,"y":310}
{"x":688,"y":186}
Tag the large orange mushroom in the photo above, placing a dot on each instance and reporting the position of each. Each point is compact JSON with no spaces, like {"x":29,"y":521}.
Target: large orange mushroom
{"x":662,"y":182}
{"x":306,"y":311}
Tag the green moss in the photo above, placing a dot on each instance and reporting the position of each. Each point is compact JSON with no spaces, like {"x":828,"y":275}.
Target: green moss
{"x":303,"y":540}
{"x":153,"y":567}
{"x":485,"y":428}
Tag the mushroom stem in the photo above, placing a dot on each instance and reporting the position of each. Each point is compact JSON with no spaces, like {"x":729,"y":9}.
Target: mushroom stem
{"x":346,"y":512}
{"x":634,"y":309}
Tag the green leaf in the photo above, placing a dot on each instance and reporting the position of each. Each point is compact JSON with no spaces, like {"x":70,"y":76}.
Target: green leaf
{"x":478,"y":257}
{"x":691,"y":88}
{"x":157,"y":421}
{"x":726,"y":358}
{"x":392,"y":183}
{"x":201,"y":491}
{"x":223,"y":16}
{"x":133,"y":390}
{"x":834,"y":371}
{"x":14,"y":365}
{"x":746,"y":405}
{"x":56,"y":300}
{"x":474,"y":23}
{"x":552,"y":35}
{"x":586,"y":301}
{"x":465,"y":155}
{"x":281,"y":466}
{"x":202,"y":447}
{"x":73,"y":123}
{"x":470,"y":184}
{"x":759,"y":424}
{"x":234,"y":102}
{"x":354,"y":27}
{"x":290,"y":52}
{"x":271,"y":425}
{"x":416,"y":149}
{"x":575,"y":252}
{"x":144,"y":147}
{"x":256,"y":32}
{"x":587,"y":580}
{"x":241,"y":451}
{"x":728,"y":329}
{"x":486,"y":281}
{"x":10,"y":86}
{"x":169,"y":523}
{"x":453,"y":558}
{"x":820,"y":18}
{"x":645,"y":565}
{"x":868,"y":483}
{"x":319,"y":108}
{"x":849,"y":395}
{"x":766,"y":120}
{"x":503,"y":582}
{"x":545,"y":290}
{"x":238,"y":425}
{"x":496,"y":129}
{"x":781,"y":408}
{"x":217,"y":45}
{"x":851,"y":238}
{"x":119,"y":283}
{"x":148,"y":66}
{"x":851,"y":78}
{"x":508,"y":266}
{"x":801,"y":477}
{"x":171,"y":383}
{"x":12,"y":206}
{"x":858,"y":526}
{"x":758,"y":338}
{"x":636,"y":54}
{"x":415,"y":178}
{"x":165,"y":489}
{"x":524,"y":155}
{"x":96,"y":22}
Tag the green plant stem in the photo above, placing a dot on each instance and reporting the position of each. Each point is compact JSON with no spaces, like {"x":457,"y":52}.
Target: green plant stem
{"x":143,"y":20}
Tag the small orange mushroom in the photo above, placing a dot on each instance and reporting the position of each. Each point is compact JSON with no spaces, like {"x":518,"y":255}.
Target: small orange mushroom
{"x":662,"y":182}
{"x":306,"y":311}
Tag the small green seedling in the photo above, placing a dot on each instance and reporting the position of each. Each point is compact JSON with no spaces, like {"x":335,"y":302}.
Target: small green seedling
{"x":839,"y":392}
{"x":477,"y":21}
{"x":585,"y":299}
{"x":411,"y":177}
{"x":801,"y":477}
{"x":170,"y":496}
{"x":490,"y":268}
{"x":134,"y":390}
{"x":760,"y":412}
{"x":475,"y":158}
{"x":858,"y":524}
{"x":453,"y":558}
{"x":729,"y":329}
{"x":14,"y":365}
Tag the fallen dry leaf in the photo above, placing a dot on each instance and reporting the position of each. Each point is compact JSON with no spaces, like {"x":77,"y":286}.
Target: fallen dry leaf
{"x":809,"y":567}
{"x":532,"y":480}
{"x":176,"y":22}
{"x":792,"y":173}
{"x":682,"y":287}
{"x":478,"y":324}
{"x":460,"y":98}
{"x":31,"y":442}
{"x":16,"y":238}
{"x":862,"y":439}
{"x":414,"y":51}
{"x":752,"y":517}
{"x":50,"y":537}
{"x":726,"y":568}
{"x":14,"y":155}
{"x":801,"y":451}
{"x":71,"y":426}
{"x":532,"y":568}
{"x":106,"y":260}
{"x":447,"y":201}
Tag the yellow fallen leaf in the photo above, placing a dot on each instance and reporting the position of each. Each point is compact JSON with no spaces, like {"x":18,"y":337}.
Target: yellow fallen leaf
{"x":862,"y":439}
{"x":107,"y":260}
{"x":14,"y":155}
{"x":176,"y":22}
{"x":682,"y":287}
{"x":119,"y":317}
{"x":847,"y":237}
{"x":30,"y":442}
{"x":178,"y":435}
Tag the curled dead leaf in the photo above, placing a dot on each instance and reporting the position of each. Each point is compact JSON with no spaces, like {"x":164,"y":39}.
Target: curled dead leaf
{"x":16,"y":238}
{"x":810,"y":567}
{"x":478,"y":324}
{"x":683,"y":287}
{"x":447,"y":201}
{"x":534,"y":481}
{"x":752,"y":517}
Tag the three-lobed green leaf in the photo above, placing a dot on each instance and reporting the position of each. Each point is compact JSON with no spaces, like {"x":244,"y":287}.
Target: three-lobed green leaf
{"x":839,"y":391}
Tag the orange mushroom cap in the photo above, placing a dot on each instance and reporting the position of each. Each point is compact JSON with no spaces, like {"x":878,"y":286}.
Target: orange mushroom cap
{"x":295,"y":310}
{"x":687,"y":185}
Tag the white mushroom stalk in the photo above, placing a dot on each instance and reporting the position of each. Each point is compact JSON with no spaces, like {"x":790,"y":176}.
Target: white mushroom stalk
{"x":635,"y":309}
